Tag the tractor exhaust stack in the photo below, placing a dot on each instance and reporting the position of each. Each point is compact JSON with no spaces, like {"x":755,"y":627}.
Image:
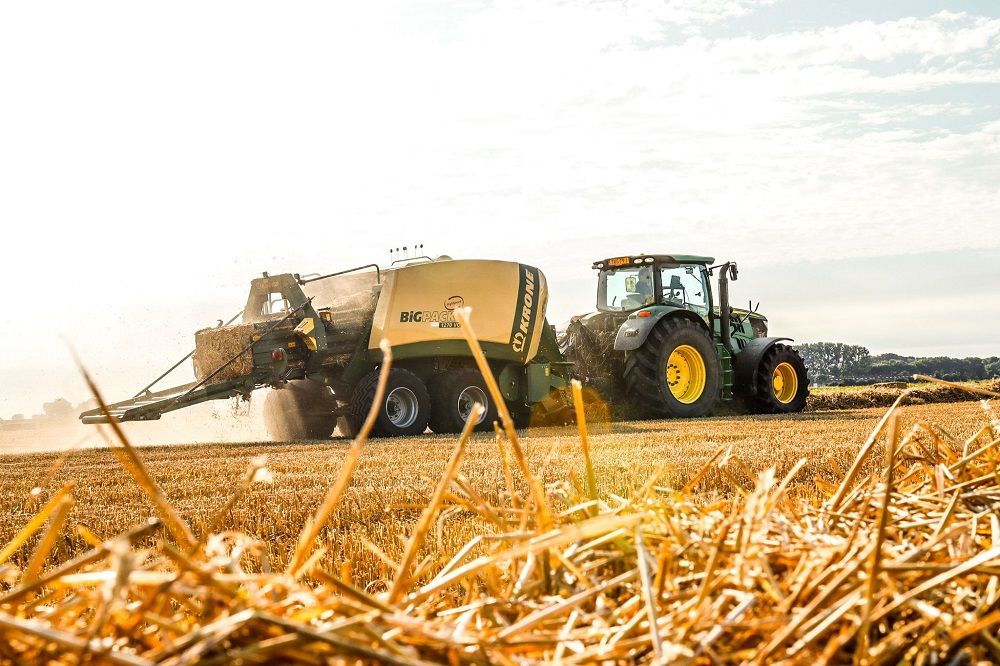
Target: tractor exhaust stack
{"x":725,"y":325}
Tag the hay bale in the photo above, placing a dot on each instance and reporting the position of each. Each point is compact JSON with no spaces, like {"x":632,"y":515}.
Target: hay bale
{"x":890,"y":385}
{"x":215,"y":346}
{"x":874,"y":396}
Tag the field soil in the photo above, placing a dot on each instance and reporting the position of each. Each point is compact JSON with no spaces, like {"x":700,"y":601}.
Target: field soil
{"x":396,"y":476}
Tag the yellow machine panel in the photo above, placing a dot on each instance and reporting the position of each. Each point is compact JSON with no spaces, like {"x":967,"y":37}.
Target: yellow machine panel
{"x":416,"y":308}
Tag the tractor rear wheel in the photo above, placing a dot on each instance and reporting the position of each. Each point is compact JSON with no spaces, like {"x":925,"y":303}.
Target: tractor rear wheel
{"x":405,"y":408}
{"x":676,"y":372}
{"x":300,"y":410}
{"x":453,"y":395}
{"x":781,"y":384}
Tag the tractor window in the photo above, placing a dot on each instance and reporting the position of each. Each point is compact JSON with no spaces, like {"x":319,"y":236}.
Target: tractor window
{"x":684,"y":287}
{"x":625,"y":289}
{"x":276,"y":303}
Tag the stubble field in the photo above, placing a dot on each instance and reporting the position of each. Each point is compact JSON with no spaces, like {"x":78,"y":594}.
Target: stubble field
{"x":395,"y":478}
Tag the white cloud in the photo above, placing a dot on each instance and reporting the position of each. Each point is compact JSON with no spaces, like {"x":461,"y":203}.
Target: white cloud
{"x":944,"y":34}
{"x":152,"y":159}
{"x":603,"y":24}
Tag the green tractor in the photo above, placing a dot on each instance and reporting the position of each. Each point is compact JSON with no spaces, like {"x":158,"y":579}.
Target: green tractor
{"x":661,"y":344}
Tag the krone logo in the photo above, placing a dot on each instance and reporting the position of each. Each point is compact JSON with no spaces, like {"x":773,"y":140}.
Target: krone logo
{"x":454,"y":302}
{"x":520,"y":336}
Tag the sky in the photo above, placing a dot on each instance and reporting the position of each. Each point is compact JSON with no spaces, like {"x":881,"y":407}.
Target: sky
{"x":156,"y":157}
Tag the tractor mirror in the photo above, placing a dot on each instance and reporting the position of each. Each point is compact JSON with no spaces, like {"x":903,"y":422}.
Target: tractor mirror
{"x":630,"y":283}
{"x":733,"y":271}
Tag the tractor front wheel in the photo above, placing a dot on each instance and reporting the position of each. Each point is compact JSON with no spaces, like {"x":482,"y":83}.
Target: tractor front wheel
{"x":781,"y":384}
{"x":676,"y":373}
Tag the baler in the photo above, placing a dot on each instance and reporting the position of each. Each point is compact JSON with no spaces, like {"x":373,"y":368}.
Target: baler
{"x":316,"y":340}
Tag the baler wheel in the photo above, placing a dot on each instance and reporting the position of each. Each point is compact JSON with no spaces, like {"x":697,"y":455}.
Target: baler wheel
{"x":405,"y":408}
{"x":781,"y":384}
{"x":453,"y":394}
{"x":676,"y":372}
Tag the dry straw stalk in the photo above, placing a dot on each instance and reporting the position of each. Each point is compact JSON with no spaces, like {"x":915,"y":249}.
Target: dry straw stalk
{"x":898,"y":565}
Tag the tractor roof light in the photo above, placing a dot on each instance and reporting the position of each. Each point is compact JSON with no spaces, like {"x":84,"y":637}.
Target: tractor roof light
{"x":637,"y":261}
{"x":649,"y":260}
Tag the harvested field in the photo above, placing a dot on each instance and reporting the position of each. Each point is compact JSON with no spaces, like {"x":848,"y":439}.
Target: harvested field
{"x":197,"y":479}
{"x":349,"y":599}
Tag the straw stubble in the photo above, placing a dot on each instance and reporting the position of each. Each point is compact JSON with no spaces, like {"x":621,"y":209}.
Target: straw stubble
{"x":895,"y":565}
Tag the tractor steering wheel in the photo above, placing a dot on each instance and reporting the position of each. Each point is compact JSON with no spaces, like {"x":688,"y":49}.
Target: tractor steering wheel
{"x":672,"y":297}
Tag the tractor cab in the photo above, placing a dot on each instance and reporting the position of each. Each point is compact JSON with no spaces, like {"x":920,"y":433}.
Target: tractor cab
{"x":628,"y":284}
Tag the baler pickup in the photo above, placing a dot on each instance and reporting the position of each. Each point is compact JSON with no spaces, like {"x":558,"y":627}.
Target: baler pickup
{"x":151,"y":405}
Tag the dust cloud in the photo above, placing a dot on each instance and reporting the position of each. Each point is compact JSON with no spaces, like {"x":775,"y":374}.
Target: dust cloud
{"x":208,"y":423}
{"x":221,"y":421}
{"x":342,"y":292}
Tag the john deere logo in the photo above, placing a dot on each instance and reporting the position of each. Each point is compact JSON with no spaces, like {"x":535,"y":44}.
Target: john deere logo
{"x":454,"y":303}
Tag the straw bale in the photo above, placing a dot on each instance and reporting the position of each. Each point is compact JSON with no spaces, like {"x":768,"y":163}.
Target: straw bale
{"x":215,"y":346}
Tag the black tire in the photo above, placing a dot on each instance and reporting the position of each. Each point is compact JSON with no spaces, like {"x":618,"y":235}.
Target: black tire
{"x":302,"y":409}
{"x":452,"y":395}
{"x":412,"y":398}
{"x":772,"y":395}
{"x":646,"y":371}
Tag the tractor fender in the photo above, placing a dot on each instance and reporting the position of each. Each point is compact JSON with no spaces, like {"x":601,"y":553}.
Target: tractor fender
{"x":633,"y":333}
{"x":745,"y":368}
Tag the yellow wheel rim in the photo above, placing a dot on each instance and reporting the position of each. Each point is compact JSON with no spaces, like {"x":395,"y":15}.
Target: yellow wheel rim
{"x":686,"y":374}
{"x":785,"y":383}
